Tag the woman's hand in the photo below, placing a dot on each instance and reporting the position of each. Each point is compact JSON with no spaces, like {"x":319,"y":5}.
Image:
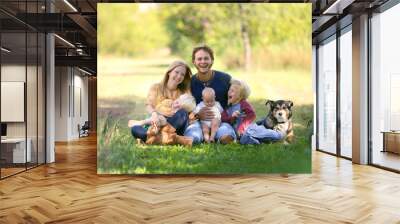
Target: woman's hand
{"x":154,"y":119}
{"x":206,"y":114}
{"x":131,"y":123}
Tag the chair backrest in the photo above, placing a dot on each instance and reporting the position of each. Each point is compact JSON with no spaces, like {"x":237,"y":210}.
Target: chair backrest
{"x":86,"y":125}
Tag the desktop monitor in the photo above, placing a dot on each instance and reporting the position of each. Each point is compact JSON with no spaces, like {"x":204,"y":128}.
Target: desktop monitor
{"x":3,"y":129}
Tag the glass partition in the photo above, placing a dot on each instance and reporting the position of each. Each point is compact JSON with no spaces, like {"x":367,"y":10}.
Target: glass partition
{"x":346,"y":93}
{"x":13,"y":92}
{"x":22,"y":88}
{"x":41,"y":109}
{"x":385,"y":89}
{"x":31,"y":97}
{"x":327,"y":95}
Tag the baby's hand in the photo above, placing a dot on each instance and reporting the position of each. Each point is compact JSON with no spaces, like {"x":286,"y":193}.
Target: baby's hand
{"x":236,"y":114}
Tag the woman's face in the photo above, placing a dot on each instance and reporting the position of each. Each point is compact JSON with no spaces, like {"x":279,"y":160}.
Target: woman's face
{"x":234,"y":94}
{"x":177,"y":75}
{"x":202,"y":61}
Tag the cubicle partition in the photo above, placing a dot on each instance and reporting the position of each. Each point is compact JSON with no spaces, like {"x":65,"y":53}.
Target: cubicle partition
{"x":22,"y":77}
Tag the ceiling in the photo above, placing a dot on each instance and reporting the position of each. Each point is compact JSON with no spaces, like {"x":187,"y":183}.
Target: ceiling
{"x":75,"y":21}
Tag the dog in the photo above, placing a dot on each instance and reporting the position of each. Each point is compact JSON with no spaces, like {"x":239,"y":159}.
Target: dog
{"x":279,"y":118}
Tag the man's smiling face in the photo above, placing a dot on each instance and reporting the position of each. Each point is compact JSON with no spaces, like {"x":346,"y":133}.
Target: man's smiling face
{"x":202,"y":61}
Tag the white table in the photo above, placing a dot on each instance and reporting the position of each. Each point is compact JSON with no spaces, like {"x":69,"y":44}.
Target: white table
{"x":18,"y":149}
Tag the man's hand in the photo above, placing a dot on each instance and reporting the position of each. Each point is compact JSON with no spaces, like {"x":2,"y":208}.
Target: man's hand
{"x":206,"y":114}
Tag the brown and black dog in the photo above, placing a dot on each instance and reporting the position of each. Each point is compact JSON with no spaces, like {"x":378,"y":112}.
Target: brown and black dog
{"x":279,"y":118}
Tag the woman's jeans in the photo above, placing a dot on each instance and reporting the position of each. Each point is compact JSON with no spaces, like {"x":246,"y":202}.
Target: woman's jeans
{"x":194,"y":131}
{"x":257,"y":134}
{"x":179,"y":121}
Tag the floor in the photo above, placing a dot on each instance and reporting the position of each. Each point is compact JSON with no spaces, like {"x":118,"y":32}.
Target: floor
{"x":70,"y":191}
{"x":10,"y":171}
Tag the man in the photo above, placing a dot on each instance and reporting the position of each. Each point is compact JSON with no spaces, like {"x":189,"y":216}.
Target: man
{"x":203,"y":58}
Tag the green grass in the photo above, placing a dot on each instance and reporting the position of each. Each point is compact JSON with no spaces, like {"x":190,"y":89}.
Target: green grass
{"x":118,"y":153}
{"x":124,"y":99}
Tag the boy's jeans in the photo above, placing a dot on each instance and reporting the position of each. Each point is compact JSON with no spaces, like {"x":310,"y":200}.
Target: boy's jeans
{"x":257,"y":134}
{"x":194,"y":131}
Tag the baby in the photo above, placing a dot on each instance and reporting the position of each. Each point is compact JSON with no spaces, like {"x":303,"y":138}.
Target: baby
{"x":240,"y":114}
{"x":213,"y":124}
{"x":167,"y":108}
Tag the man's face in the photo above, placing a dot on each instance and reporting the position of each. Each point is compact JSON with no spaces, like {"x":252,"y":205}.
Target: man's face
{"x":202,"y":61}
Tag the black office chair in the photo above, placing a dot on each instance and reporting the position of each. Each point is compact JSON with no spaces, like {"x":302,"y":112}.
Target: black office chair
{"x":84,"y":130}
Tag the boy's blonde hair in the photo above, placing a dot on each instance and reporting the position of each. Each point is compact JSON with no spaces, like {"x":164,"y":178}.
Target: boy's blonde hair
{"x":244,"y":88}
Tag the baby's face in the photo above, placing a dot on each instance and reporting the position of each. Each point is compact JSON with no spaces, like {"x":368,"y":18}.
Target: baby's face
{"x":209,"y":99}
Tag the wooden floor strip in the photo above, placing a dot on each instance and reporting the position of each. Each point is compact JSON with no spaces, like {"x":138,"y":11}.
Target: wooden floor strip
{"x":70,"y":191}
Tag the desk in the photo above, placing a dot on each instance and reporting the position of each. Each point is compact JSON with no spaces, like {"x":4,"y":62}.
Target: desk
{"x":391,"y":141}
{"x":16,"y":148}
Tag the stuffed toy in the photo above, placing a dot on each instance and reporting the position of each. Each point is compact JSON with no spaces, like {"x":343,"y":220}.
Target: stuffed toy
{"x":166,"y":136}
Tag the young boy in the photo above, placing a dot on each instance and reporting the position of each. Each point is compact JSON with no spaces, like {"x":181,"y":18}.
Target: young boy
{"x":208,"y":96}
{"x":240,"y":114}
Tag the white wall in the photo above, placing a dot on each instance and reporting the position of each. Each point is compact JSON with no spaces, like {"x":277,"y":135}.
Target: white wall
{"x":71,"y":87}
{"x":62,"y":81}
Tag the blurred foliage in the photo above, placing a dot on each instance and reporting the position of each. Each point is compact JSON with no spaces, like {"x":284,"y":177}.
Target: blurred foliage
{"x":125,"y":30}
{"x":279,"y":34}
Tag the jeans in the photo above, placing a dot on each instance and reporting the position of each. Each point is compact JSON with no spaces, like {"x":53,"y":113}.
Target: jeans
{"x":194,"y":131}
{"x":257,"y":134}
{"x":179,"y":121}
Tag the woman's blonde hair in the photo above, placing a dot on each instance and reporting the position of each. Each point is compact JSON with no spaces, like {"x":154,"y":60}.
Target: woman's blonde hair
{"x":244,"y":88}
{"x":184,"y":86}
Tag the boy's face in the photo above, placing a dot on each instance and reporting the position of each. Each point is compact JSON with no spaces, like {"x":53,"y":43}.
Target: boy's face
{"x":209,"y":99}
{"x":234,"y":94}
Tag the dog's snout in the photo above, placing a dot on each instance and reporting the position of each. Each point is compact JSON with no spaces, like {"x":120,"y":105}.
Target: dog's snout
{"x":280,"y":113}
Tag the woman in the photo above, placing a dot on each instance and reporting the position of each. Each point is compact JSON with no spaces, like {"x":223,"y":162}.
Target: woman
{"x":176,"y":82}
{"x":203,"y":58}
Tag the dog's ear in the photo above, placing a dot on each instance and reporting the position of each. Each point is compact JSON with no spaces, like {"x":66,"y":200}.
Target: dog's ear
{"x":289,"y":103}
{"x":270,"y":103}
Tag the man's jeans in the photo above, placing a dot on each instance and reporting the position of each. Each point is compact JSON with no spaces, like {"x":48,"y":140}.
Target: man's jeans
{"x":257,"y":134}
{"x":194,"y":131}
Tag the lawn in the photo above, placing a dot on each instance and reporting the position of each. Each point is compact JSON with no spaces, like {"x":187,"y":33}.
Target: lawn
{"x":121,"y":96}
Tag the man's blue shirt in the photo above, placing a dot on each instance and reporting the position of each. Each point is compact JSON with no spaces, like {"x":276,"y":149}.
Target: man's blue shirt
{"x":220,"y":82}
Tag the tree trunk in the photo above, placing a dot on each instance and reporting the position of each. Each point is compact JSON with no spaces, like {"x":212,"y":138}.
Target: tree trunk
{"x":245,"y":37}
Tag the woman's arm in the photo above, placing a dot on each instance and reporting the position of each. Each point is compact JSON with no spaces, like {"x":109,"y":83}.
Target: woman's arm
{"x":152,"y":98}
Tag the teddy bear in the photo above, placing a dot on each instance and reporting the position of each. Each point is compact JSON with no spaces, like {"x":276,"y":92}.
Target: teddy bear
{"x":166,"y":136}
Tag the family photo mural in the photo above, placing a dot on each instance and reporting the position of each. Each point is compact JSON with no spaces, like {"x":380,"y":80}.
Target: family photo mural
{"x":204,"y":88}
